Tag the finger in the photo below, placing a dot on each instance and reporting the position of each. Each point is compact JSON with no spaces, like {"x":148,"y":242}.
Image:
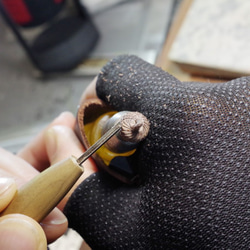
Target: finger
{"x":54,"y":225}
{"x":21,"y":172}
{"x":7,"y":191}
{"x":35,"y":151}
{"x":61,"y":142}
{"x":21,"y":232}
{"x":14,"y":167}
{"x":129,"y":83}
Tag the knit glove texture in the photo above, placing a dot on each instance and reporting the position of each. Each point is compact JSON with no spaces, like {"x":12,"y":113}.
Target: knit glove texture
{"x":194,"y":165}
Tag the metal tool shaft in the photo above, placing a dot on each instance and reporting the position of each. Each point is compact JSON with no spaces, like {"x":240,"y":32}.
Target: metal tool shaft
{"x":112,"y":131}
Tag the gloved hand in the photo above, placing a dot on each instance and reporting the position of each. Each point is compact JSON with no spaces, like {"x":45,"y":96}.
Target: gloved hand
{"x":194,"y":163}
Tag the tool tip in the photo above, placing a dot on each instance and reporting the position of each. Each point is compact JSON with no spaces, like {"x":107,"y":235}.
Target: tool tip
{"x":134,"y":127}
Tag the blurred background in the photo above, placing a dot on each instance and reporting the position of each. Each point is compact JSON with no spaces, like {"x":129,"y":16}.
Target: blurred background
{"x":50,"y":50}
{"x":47,"y":59}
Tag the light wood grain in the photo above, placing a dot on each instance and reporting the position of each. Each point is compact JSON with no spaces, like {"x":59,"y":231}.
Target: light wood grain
{"x":38,"y":197}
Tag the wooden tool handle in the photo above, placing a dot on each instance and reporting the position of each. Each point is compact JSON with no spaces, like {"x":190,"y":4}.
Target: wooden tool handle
{"x":39,"y":196}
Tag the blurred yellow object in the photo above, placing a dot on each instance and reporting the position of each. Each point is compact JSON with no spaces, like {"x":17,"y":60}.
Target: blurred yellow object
{"x":94,"y":131}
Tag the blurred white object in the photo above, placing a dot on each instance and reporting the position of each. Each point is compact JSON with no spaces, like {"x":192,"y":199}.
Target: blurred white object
{"x":214,"y":39}
{"x":69,"y":241}
{"x":136,"y":27}
{"x":94,"y":6}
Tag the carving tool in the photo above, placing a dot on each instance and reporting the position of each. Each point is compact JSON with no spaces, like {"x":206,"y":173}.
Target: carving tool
{"x":135,"y":128}
{"x":115,"y":156}
{"x":39,"y":196}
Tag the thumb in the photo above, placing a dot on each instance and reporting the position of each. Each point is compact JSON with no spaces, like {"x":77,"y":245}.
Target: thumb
{"x":61,"y":143}
{"x":18,"y":231}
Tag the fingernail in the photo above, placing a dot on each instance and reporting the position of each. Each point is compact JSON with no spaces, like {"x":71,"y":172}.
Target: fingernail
{"x":6,"y":184}
{"x":7,"y":191}
{"x":21,"y":232}
{"x":55,"y":218}
{"x":50,"y":139}
{"x":57,"y":141}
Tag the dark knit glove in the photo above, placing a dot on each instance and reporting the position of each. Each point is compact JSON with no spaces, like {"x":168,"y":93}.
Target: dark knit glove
{"x":194,"y":165}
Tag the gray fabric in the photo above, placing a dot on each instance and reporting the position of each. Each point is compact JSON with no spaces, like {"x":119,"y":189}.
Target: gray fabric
{"x":194,"y":164}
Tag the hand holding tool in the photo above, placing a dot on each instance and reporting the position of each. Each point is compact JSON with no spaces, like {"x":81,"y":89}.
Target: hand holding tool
{"x":39,"y":196}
